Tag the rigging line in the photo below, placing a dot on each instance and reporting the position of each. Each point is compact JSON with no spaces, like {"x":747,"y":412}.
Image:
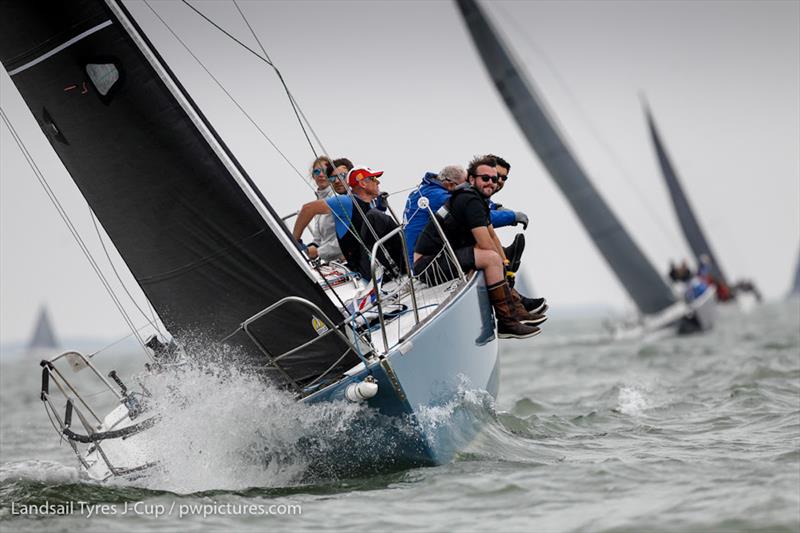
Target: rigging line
{"x":219,"y":84}
{"x":70,"y":226}
{"x":107,"y":346}
{"x":235,"y":102}
{"x":114,"y":269}
{"x":595,"y":133}
{"x":267,"y":60}
{"x":263,"y":134}
{"x":310,"y":127}
{"x":291,"y":98}
{"x":240,"y":43}
{"x":280,"y":77}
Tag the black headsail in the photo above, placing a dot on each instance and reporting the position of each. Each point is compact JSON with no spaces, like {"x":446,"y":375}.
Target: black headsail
{"x":688,"y":221}
{"x":206,"y":249}
{"x":644,"y":285}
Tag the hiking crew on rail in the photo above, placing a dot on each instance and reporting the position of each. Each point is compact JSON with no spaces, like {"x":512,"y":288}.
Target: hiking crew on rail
{"x":463,"y":209}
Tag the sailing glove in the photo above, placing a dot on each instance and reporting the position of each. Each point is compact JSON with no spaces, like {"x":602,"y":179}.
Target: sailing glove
{"x":521,"y":218}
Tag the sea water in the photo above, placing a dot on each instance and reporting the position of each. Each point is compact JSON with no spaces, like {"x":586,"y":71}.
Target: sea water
{"x":667,"y":433}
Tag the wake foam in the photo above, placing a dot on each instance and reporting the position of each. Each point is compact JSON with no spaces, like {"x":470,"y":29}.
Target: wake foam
{"x":223,"y":428}
{"x":46,"y":472}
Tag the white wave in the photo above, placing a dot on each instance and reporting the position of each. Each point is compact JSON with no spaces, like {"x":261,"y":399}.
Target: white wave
{"x":632,"y":400}
{"x":48,"y":472}
{"x":225,"y":429}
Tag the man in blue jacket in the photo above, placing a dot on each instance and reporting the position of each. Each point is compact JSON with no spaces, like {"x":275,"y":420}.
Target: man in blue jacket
{"x":436,"y":188}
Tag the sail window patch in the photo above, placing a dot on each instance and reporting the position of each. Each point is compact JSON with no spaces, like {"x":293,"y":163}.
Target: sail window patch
{"x":104,"y":76}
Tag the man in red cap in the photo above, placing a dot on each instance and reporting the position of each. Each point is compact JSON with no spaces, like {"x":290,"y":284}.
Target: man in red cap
{"x":358,"y":225}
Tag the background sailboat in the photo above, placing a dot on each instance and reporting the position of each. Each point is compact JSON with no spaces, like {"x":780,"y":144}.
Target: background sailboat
{"x":683,"y":210}
{"x":640,"y":279}
{"x":43,"y":338}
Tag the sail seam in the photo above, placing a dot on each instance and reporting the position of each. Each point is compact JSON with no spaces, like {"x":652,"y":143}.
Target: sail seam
{"x":59,"y":48}
{"x":195,"y":264}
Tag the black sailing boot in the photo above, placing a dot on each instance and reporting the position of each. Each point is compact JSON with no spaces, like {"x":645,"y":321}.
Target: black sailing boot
{"x":508,"y":327}
{"x":532,"y":305}
{"x":522,"y":314}
{"x":514,"y":252}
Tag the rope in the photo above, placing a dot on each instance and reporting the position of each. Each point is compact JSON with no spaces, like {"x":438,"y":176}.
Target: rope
{"x":71,"y":227}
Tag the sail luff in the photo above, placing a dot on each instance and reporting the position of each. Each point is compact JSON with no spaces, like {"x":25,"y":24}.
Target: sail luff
{"x":796,"y":286}
{"x":683,"y":210}
{"x":642,"y":282}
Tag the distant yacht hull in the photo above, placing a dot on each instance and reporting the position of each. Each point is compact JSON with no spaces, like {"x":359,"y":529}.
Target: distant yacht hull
{"x":680,"y":318}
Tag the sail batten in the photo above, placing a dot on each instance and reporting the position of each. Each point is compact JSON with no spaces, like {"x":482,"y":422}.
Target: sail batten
{"x":683,"y":210}
{"x":642,"y":282}
{"x":201,"y":241}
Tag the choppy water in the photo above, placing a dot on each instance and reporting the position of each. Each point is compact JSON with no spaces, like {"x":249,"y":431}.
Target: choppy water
{"x":696,"y":433}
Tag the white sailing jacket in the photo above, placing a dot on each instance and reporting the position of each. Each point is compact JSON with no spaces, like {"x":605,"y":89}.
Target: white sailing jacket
{"x":323,"y":229}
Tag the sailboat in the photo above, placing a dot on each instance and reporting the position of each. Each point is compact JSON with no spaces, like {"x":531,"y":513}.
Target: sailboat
{"x":654,"y":299}
{"x":43,"y":339}
{"x":692,"y":231}
{"x":217,"y":263}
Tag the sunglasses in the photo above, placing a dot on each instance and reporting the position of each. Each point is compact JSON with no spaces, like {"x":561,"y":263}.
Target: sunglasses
{"x":317,"y":172}
{"x":487,"y":178}
{"x":502,"y":178}
{"x":335,"y":177}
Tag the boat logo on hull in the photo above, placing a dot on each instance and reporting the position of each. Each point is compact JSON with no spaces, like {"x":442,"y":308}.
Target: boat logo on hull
{"x":318,"y":325}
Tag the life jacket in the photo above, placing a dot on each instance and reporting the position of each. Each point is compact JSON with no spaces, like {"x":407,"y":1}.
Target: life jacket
{"x":456,"y":233}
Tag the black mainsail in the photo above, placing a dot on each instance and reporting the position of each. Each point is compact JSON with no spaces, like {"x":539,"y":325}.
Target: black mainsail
{"x":643,"y":283}
{"x":204,"y":245}
{"x":683,"y":209}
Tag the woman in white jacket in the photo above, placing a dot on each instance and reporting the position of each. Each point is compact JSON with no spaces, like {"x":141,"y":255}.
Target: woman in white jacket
{"x":323,"y":228}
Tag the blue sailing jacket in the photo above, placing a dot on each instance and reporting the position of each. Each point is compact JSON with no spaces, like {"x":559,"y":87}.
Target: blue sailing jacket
{"x":501,"y":217}
{"x":436,"y":193}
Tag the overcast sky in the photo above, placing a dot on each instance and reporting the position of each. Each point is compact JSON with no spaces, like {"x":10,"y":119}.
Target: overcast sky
{"x":399,"y":86}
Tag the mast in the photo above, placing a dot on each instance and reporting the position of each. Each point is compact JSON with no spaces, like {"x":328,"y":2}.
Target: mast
{"x":643,"y":283}
{"x":201,"y":241}
{"x":683,"y":210}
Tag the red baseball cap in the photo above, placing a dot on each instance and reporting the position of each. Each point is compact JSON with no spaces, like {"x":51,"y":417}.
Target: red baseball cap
{"x":360,"y":173}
